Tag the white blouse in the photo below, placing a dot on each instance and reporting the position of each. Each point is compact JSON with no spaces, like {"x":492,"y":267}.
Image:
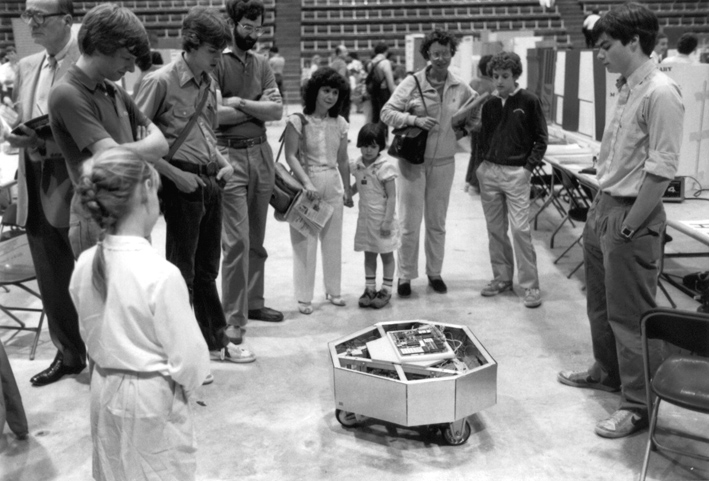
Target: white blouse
{"x":146,"y":323}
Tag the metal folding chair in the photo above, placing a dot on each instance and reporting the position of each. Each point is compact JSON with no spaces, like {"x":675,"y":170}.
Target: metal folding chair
{"x":682,"y":379}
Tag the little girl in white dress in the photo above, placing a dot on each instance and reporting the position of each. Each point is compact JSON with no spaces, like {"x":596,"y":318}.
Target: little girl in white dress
{"x":377,"y":228}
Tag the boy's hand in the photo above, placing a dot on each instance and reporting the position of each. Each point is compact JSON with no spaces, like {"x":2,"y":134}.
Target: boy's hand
{"x":348,"y":199}
{"x":225,"y":173}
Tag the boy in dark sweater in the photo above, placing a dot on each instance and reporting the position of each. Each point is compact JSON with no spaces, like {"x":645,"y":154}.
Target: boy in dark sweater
{"x":513,"y":141}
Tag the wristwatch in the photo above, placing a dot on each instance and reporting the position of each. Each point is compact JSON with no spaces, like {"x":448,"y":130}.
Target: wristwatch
{"x":626,"y":232}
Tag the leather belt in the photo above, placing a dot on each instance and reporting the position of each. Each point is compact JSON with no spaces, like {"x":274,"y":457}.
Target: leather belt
{"x":209,"y":169}
{"x":243,"y":143}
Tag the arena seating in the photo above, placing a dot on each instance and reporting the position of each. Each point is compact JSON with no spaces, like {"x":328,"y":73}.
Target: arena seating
{"x":688,"y":13}
{"x":360,"y":24}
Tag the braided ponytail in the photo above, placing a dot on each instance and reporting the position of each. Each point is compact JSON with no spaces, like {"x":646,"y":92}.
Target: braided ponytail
{"x":105,"y":189}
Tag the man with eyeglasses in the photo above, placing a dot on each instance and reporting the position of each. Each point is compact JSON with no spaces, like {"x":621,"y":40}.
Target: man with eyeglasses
{"x":249,"y":98}
{"x":89,"y":113}
{"x":43,"y":185}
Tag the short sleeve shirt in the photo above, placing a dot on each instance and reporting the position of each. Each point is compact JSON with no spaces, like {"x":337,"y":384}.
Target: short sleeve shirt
{"x":247,"y":80}
{"x":320,"y":139}
{"x":83,"y":111}
{"x":170,"y":96}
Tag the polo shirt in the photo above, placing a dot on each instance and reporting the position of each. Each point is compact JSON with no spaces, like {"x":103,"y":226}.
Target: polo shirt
{"x":170,"y":96}
{"x":645,"y":134}
{"x":83,"y":111}
{"x":247,"y":80}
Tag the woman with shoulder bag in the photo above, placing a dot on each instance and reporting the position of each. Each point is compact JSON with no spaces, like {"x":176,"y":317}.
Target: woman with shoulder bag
{"x":424,"y":189}
{"x":316,"y":151}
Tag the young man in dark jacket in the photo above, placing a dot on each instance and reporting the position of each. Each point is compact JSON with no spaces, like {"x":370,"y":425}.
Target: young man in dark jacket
{"x":513,"y":141}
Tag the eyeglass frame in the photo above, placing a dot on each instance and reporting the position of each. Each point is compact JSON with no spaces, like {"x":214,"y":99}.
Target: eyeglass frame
{"x":440,"y":55}
{"x":28,"y":16}
{"x":252,"y":29}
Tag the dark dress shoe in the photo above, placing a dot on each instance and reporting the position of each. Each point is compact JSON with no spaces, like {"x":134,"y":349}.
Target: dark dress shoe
{"x":266,"y":314}
{"x":403,"y":289}
{"x":438,"y":285}
{"x":55,"y":372}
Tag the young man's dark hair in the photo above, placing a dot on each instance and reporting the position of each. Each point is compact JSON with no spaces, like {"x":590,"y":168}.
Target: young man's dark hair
{"x":687,"y":43}
{"x":325,"y":77}
{"x":483,"y":64}
{"x":108,"y":27}
{"x":623,"y":22}
{"x":441,"y":36}
{"x":238,"y":9}
{"x":371,"y":134}
{"x":381,"y":47}
{"x":201,"y":27}
{"x":505,"y":60}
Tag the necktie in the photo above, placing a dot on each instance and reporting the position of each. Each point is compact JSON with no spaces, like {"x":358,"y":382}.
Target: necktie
{"x":44,"y":84}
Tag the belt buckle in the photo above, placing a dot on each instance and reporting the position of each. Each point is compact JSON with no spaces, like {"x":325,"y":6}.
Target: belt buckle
{"x":250,"y":142}
{"x":212,"y":168}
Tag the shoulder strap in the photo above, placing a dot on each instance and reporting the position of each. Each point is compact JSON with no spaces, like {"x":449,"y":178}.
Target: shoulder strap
{"x":282,"y":140}
{"x":418,"y":86}
{"x":183,"y":135}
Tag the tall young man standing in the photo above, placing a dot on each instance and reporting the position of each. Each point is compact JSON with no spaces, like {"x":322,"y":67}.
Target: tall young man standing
{"x":249,"y":98}
{"x":89,"y":113}
{"x":623,"y":234}
{"x":192,"y":187}
{"x":43,"y":184}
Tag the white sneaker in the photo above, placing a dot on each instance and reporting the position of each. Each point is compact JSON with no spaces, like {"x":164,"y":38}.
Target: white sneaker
{"x":532,"y":298}
{"x":232,"y":353}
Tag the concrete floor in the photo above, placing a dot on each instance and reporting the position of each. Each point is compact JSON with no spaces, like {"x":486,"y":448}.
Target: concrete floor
{"x":274,"y":419}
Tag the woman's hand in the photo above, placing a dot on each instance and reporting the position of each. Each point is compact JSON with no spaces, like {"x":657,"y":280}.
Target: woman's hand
{"x":385,"y":229}
{"x":310,"y":191}
{"x":347,"y":198}
{"x":425,"y":123}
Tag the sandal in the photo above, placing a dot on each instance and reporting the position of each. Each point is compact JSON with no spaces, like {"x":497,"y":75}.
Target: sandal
{"x":305,"y":307}
{"x":335,"y":300}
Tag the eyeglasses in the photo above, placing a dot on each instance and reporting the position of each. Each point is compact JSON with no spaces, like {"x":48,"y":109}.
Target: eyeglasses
{"x":440,"y":55}
{"x":249,"y":29}
{"x":38,"y":17}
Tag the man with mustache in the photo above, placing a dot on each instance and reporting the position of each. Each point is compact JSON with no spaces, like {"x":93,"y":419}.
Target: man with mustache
{"x":250,"y":98}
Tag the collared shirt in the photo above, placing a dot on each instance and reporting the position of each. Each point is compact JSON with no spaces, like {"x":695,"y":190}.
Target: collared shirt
{"x":83,"y":111}
{"x":146,"y":324}
{"x":406,"y":102}
{"x":248,"y":80}
{"x":47,"y":76}
{"x":645,"y":133}
{"x":170,"y":96}
{"x":679,"y":58}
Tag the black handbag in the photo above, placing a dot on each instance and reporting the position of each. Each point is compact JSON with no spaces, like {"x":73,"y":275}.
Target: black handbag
{"x":409,"y":142}
{"x":286,"y":187}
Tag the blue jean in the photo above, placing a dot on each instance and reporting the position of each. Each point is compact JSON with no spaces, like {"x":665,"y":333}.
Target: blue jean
{"x":192,"y":243}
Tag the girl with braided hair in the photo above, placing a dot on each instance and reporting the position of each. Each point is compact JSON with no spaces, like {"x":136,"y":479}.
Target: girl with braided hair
{"x":145,"y":347}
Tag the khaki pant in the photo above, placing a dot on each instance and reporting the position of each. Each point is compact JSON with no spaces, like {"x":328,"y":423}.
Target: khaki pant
{"x":305,"y":248}
{"x":621,"y":282}
{"x":504,"y":192}
{"x":244,"y":213}
{"x":423,"y":194}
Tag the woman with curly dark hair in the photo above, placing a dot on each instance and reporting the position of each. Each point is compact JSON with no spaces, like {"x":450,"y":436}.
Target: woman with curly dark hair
{"x":316,"y":150}
{"x":424,"y":189}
